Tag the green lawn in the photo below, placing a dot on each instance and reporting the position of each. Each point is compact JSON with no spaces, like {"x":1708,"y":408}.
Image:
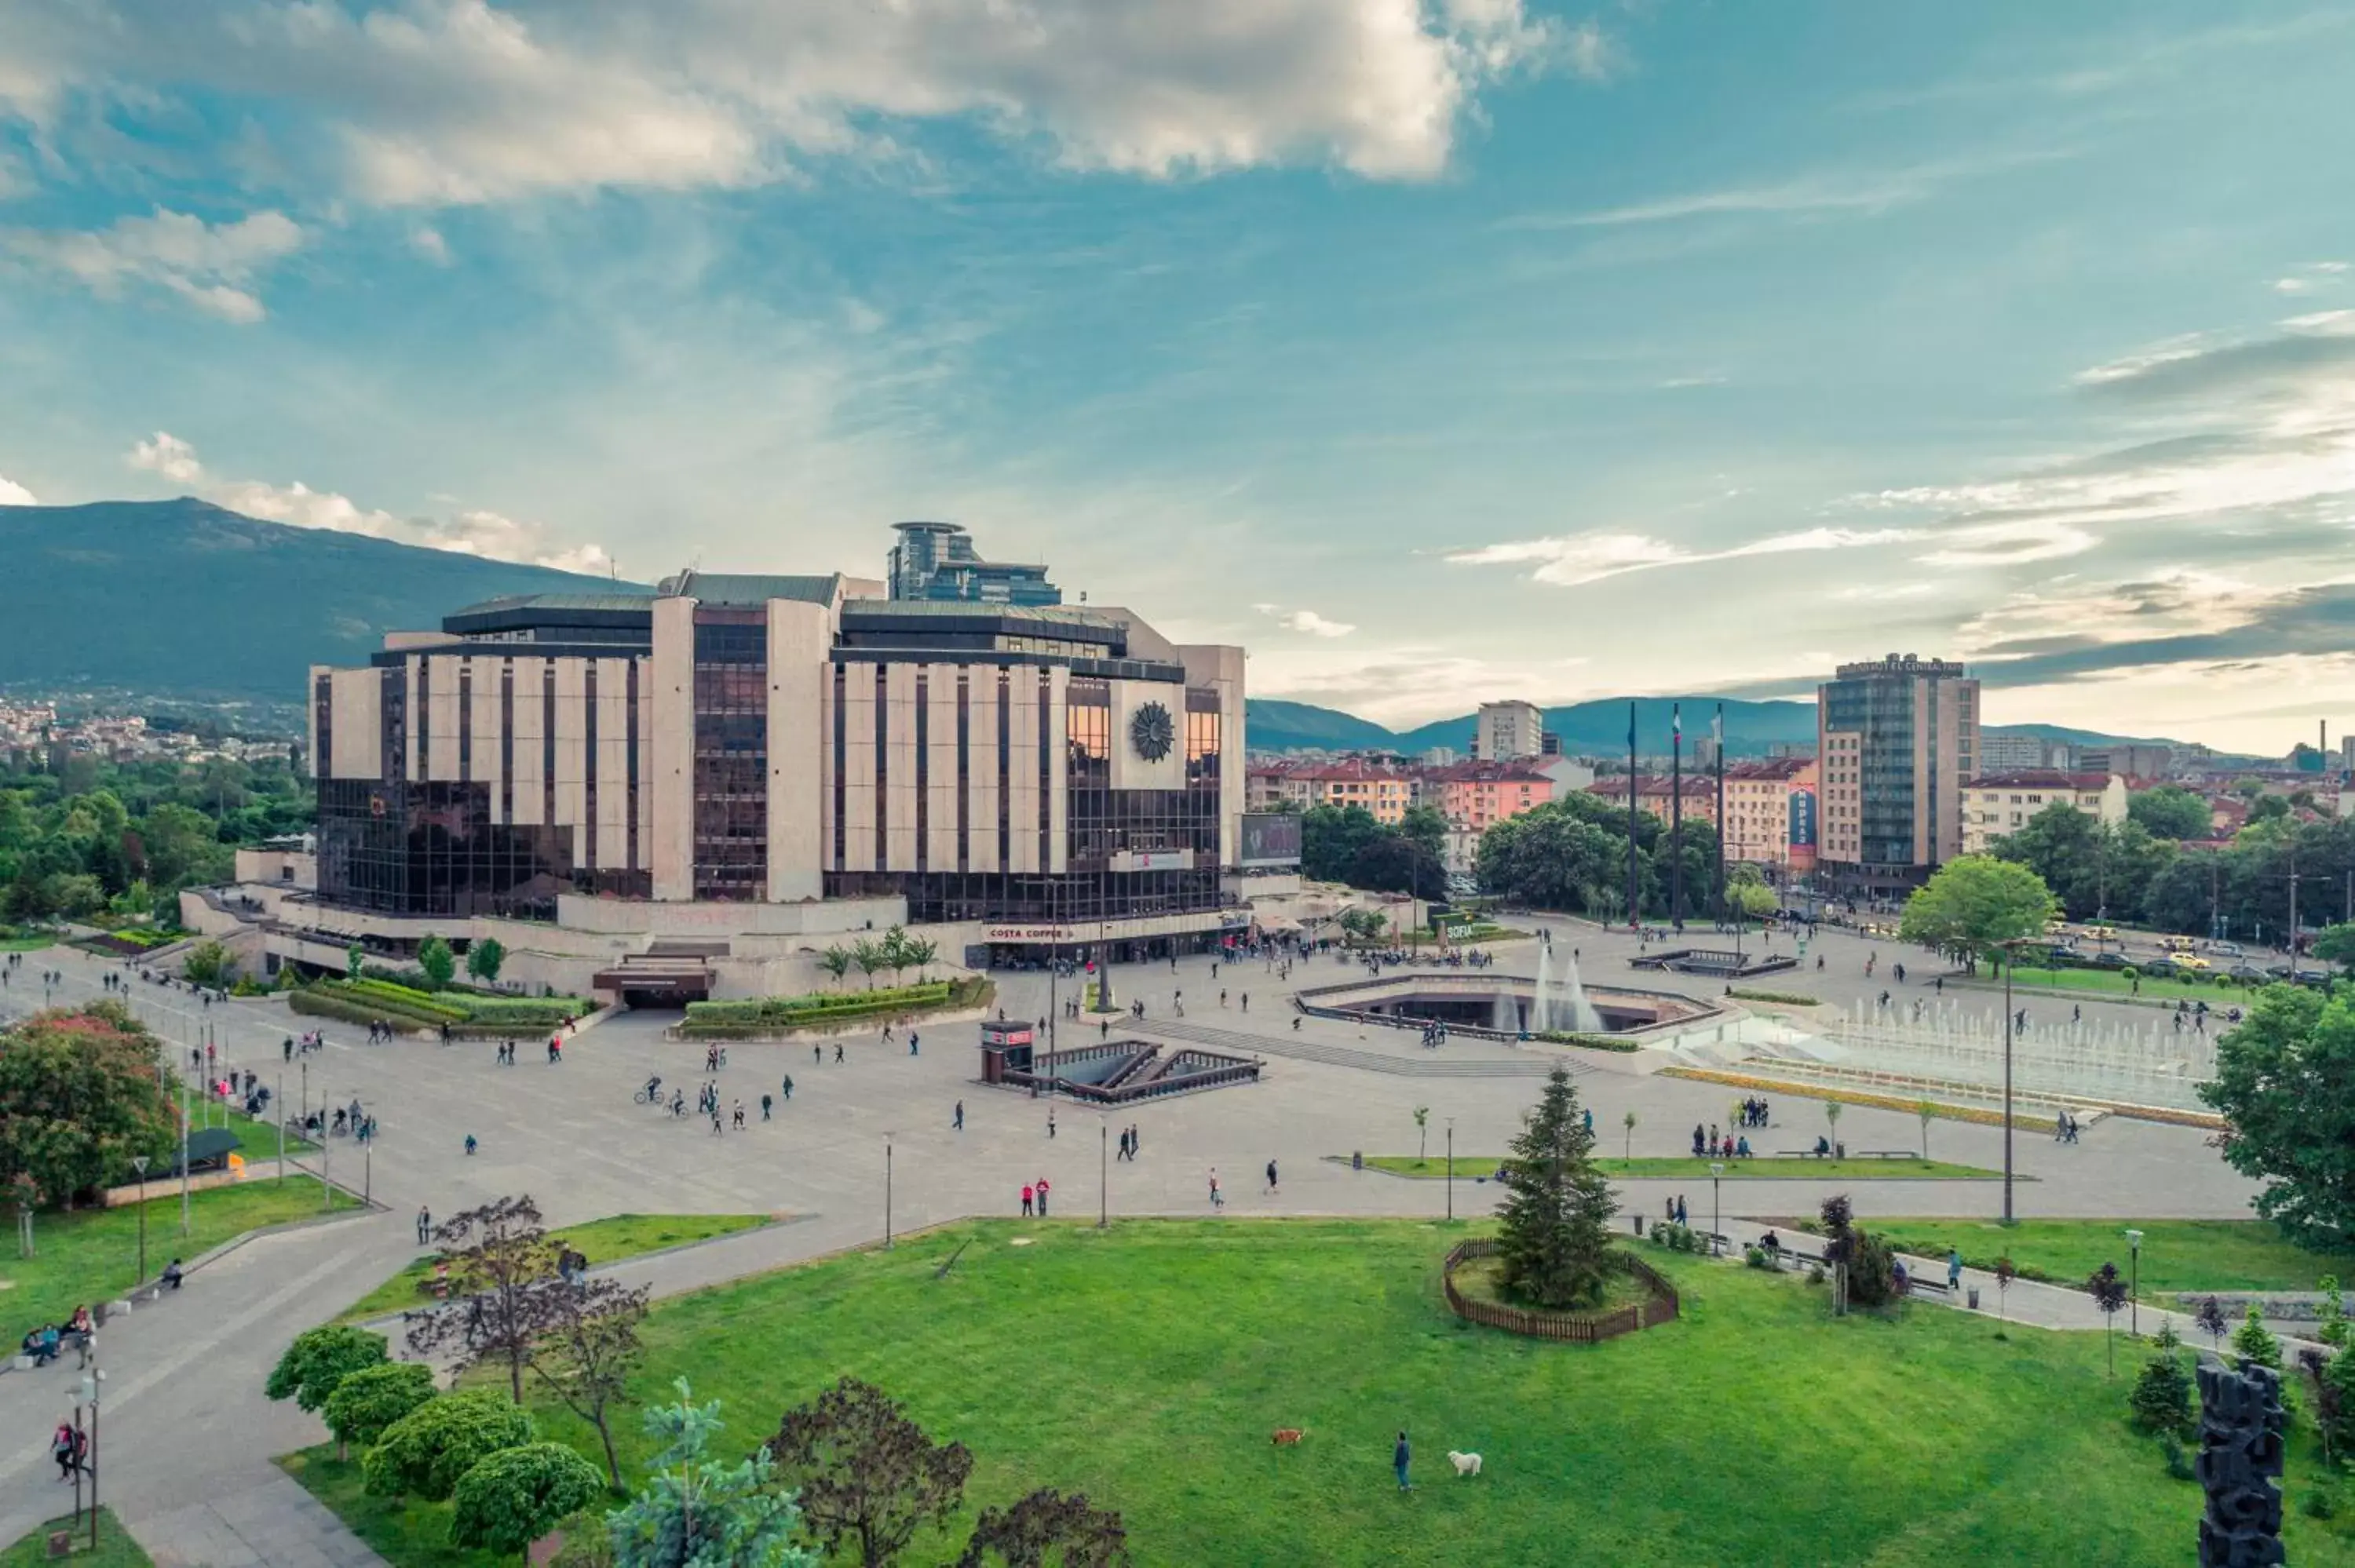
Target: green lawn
{"x":1146,"y":1366}
{"x":91,"y":1254}
{"x":115,"y":1550}
{"x":406,"y":1534}
{"x":32,"y":944}
{"x":600,"y":1241}
{"x":1684,"y":1167}
{"x":2111,"y":983}
{"x":2177,"y":1255}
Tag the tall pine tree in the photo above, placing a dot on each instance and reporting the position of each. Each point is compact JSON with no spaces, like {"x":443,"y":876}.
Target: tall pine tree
{"x":1557,"y":1216}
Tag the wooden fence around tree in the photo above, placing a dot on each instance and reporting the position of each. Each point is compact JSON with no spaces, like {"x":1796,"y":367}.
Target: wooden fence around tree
{"x":1582,"y":1328}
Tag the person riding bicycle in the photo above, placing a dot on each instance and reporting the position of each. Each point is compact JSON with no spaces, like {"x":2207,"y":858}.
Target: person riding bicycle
{"x":654,"y":1090}
{"x":678,"y":1102}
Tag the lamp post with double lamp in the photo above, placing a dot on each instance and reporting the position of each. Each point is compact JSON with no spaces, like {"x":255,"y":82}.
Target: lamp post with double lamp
{"x":887,"y":1191}
{"x":2134,"y":1285}
{"x":1715,"y":1206}
{"x":1103,"y":1173}
{"x":1451,"y":1168}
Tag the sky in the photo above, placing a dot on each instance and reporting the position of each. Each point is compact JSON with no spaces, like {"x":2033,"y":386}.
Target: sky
{"x":1435,"y":350}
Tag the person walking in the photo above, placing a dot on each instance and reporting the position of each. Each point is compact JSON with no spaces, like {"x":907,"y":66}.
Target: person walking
{"x":911,"y":1042}
{"x":787,"y":1086}
{"x":738,"y":1110}
{"x":1050,"y":1121}
{"x":765,"y":1103}
{"x":818,"y":1057}
{"x":959,"y":1124}
{"x":1400,"y":1458}
{"x":424,"y":1224}
{"x":1271,"y":1178}
{"x":1953,"y":1270}
{"x":837,"y":1049}
{"x":1042,"y":1197}
{"x":1218,"y":1198}
{"x":1029,"y":1198}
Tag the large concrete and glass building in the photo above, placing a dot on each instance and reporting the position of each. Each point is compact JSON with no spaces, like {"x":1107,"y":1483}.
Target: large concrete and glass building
{"x":1506,"y":732}
{"x":1895,"y":738}
{"x":740,"y":755}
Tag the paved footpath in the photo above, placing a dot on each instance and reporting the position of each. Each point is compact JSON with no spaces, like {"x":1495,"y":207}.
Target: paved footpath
{"x":188,"y":1440}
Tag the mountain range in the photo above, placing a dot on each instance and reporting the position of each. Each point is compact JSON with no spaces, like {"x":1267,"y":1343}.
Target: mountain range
{"x":184,"y":601}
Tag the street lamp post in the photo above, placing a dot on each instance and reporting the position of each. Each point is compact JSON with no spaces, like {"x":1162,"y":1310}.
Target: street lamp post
{"x":139,"y":1164}
{"x":1104,"y":1173}
{"x":2005,"y":947}
{"x":2134,"y":1285}
{"x":887,"y":1191}
{"x":184,"y":1157}
{"x":90,"y":1386}
{"x":1717,"y":1207}
{"x":278,"y":1098}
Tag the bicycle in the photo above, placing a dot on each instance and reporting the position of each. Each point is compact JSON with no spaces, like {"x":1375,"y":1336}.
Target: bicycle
{"x":647,"y":1098}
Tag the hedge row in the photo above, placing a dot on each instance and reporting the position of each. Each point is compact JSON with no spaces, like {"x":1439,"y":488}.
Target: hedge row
{"x":393,"y":999}
{"x":819,"y":1007}
{"x":316,"y":1004}
{"x":1787,"y":998}
{"x":1589,"y":1042}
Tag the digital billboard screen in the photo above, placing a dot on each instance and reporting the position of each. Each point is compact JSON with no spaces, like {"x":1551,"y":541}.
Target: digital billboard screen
{"x":1271,"y":838}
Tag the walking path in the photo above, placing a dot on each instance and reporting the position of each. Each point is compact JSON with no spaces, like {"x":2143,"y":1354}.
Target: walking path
{"x":186,"y":1449}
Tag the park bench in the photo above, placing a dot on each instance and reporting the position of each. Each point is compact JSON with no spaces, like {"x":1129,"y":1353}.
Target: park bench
{"x":1917,"y":1284}
{"x":1888,"y":1154}
{"x":1809,"y":1153}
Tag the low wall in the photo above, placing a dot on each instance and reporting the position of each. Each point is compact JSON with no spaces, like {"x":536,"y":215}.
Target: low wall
{"x":1579,"y":1327}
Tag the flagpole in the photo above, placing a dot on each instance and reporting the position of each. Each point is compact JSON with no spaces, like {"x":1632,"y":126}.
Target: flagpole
{"x":1677,"y":815}
{"x":1634,"y":918}
{"x":1717,"y":732}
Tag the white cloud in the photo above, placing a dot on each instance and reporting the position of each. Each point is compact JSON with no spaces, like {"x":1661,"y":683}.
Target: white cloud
{"x":437,"y":102}
{"x":428,"y":242}
{"x":2314,"y":275}
{"x":466,"y":533}
{"x":14,"y":494}
{"x":1833,"y":191}
{"x":1575,"y":559}
{"x":211,"y":266}
{"x":1306,"y":621}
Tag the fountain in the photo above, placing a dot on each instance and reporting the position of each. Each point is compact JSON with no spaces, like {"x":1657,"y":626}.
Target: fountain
{"x":1571,"y":1011}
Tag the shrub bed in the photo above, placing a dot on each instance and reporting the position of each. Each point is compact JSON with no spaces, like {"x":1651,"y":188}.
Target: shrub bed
{"x":1787,"y":998}
{"x":767,"y":1014}
{"x":1587,"y":1041}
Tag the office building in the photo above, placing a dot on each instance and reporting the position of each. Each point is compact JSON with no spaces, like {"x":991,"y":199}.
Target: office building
{"x":936,"y":561}
{"x":1895,"y":738}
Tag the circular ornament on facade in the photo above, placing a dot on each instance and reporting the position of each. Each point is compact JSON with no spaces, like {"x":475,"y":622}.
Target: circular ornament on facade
{"x":1151,"y":732}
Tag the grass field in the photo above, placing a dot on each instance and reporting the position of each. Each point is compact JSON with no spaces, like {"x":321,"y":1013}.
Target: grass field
{"x":115,"y":1550}
{"x":600,"y":1241}
{"x":2177,"y":1255}
{"x":2110,"y":982}
{"x":1683,"y":1168}
{"x":1148,"y":1364}
{"x":92,"y":1255}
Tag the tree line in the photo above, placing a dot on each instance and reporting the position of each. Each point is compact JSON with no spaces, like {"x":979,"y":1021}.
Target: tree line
{"x":1572,"y":854}
{"x":87,"y":837}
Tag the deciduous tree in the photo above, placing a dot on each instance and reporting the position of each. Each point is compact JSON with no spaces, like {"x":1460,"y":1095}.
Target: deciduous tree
{"x":2108,"y":1289}
{"x":367,"y":1401}
{"x":501,"y":1269}
{"x":868,"y":1477}
{"x":439,"y":965}
{"x":1974,"y":903}
{"x":485,"y":955}
{"x":587,"y":1350}
{"x":510,"y":1498}
{"x":425,"y":1452}
{"x":317,"y":1363}
{"x":1047,"y":1530}
{"x":2285,"y":1085}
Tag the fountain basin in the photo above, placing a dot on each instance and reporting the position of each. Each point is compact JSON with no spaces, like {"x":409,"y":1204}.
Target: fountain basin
{"x":1487,"y":1005}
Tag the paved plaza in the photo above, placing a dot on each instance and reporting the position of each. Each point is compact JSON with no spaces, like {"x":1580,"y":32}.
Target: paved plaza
{"x":188,"y":1437}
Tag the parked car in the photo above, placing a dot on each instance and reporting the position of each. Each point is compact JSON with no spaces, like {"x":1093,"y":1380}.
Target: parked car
{"x":2246,"y":972}
{"x":2228,"y":949}
{"x":2109,"y":961}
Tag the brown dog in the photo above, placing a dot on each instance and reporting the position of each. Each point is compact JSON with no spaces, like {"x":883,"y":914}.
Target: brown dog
{"x":1286,"y":1435}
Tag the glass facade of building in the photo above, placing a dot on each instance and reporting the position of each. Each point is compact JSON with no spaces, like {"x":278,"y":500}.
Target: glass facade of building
{"x":731,"y":754}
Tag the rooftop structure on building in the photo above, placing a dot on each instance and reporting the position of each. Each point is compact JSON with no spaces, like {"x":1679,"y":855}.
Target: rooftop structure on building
{"x":937,"y":561}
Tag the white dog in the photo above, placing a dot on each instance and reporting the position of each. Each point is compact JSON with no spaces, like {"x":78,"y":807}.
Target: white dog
{"x":1465,"y":1464}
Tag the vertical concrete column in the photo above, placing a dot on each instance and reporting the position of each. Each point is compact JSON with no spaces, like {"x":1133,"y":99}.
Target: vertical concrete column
{"x":671,"y":780}
{"x":801,"y":639}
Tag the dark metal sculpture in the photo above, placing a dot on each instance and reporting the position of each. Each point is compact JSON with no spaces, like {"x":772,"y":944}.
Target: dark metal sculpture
{"x":2239,"y":1465}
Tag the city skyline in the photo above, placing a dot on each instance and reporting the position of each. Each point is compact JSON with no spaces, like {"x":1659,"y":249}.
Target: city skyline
{"x":1436,"y":352}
